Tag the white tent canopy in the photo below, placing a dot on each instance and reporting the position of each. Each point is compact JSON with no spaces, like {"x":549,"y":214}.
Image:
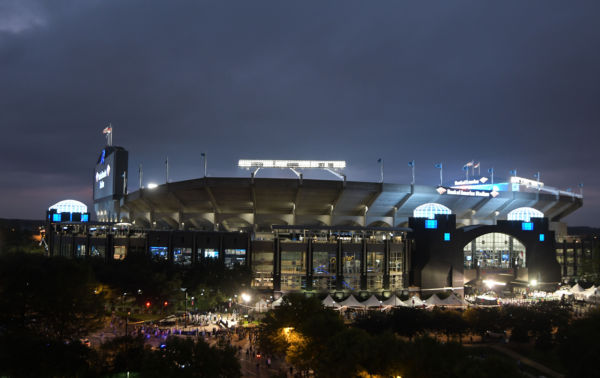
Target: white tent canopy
{"x":434,"y":300}
{"x":329,"y":302}
{"x":394,"y":301}
{"x":352,"y":302}
{"x":277,"y":302}
{"x":577,"y":289}
{"x":372,"y":302}
{"x":260,"y":306}
{"x":414,"y":302}
{"x":454,"y":300}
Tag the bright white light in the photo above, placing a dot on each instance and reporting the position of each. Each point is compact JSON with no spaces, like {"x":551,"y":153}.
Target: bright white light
{"x":527,"y":182}
{"x":323,"y":164}
{"x":69,"y":206}
{"x":491,"y":283}
{"x":246,"y":297}
{"x":533,"y":283}
{"x":152,"y":185}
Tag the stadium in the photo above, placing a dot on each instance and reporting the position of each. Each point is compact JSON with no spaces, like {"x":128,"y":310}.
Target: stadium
{"x":332,"y":235}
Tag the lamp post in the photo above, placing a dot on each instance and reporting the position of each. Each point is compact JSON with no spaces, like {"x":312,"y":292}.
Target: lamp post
{"x":185,"y":307}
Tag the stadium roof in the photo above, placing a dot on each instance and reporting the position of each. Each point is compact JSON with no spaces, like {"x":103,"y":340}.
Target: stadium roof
{"x":243,"y":202}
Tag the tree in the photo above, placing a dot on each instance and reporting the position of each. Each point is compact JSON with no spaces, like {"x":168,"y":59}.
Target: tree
{"x":579,"y":347}
{"x":54,"y":298}
{"x":189,"y":358}
{"x":123,"y":354}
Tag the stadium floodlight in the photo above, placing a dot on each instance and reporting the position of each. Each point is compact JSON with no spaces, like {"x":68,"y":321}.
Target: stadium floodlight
{"x":295,"y":164}
{"x":152,"y":185}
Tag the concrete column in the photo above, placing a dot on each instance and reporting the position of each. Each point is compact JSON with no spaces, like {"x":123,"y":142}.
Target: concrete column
{"x":363,"y":264}
{"x":170,"y":247}
{"x":386,"y":265}
{"x":276,"y":265}
{"x":309,"y":264}
{"x":339,"y":266}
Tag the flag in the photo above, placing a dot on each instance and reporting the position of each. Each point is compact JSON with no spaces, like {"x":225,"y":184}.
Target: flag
{"x":581,"y":185}
{"x":107,"y":130}
{"x":411,"y":163}
{"x":513,"y":172}
{"x":491,"y":170}
{"x":438,"y":165}
{"x":379,"y":160}
{"x":536,"y":175}
{"x":569,"y":189}
{"x":470,"y":164}
{"x":466,"y":168}
{"x":202,"y":154}
{"x":476,"y":165}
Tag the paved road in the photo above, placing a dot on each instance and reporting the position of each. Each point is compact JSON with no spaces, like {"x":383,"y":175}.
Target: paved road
{"x":527,"y":361}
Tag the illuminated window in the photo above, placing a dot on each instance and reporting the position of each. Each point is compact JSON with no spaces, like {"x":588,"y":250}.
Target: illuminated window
{"x":56,"y":217}
{"x":446,"y":236}
{"x":524,"y":214}
{"x":527,"y":226}
{"x":542,"y":237}
{"x":430,"y":210}
{"x":431,"y":223}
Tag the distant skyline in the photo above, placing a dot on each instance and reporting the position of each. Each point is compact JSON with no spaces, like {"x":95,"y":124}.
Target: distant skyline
{"x":514,"y":85}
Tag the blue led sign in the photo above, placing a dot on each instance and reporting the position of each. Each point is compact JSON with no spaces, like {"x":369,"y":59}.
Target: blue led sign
{"x":431,"y":223}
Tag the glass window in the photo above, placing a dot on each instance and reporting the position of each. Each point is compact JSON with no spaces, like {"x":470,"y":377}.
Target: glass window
{"x":494,"y":250}
{"x":80,"y":251}
{"x":395,"y":261}
{"x":182,"y":256}
{"x":235,"y":257}
{"x":210,"y":253}
{"x":97,"y":251}
{"x":159,"y":253}
{"x":120,"y":252}
{"x":374,"y":262}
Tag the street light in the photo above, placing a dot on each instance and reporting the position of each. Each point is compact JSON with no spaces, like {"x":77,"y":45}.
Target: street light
{"x":185,"y":307}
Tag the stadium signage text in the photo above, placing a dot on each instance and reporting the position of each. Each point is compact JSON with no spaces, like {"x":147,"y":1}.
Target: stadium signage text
{"x":103,"y":173}
{"x":467,"y":193}
{"x":482,"y":180}
{"x":100,"y":176}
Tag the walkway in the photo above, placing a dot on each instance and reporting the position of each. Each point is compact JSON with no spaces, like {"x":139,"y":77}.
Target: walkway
{"x":527,"y":361}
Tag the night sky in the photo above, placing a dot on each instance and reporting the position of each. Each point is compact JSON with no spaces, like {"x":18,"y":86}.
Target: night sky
{"x":513,"y":84}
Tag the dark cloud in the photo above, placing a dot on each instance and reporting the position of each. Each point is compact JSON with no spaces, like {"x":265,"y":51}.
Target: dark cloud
{"x":513,"y":84}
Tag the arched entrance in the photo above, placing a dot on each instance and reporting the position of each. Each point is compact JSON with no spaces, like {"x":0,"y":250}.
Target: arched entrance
{"x":494,"y":250}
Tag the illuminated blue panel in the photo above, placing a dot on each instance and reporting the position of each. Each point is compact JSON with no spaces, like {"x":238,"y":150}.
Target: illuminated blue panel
{"x":85,"y":217}
{"x":527,"y":226}
{"x":431,"y":223}
{"x":542,"y":237}
{"x":446,"y":236}
{"x":56,"y":217}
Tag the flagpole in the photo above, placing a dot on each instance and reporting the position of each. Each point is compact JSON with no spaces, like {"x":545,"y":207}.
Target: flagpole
{"x":140,"y":174}
{"x":167,"y":169}
{"x":381,"y":168}
{"x":441,"y":174}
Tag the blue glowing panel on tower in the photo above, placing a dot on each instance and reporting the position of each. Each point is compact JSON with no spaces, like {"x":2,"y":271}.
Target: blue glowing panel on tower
{"x":527,"y":226}
{"x":542,"y":237}
{"x":57,"y":217}
{"x":431,"y":223}
{"x":85,"y":217}
{"x":446,"y":236}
